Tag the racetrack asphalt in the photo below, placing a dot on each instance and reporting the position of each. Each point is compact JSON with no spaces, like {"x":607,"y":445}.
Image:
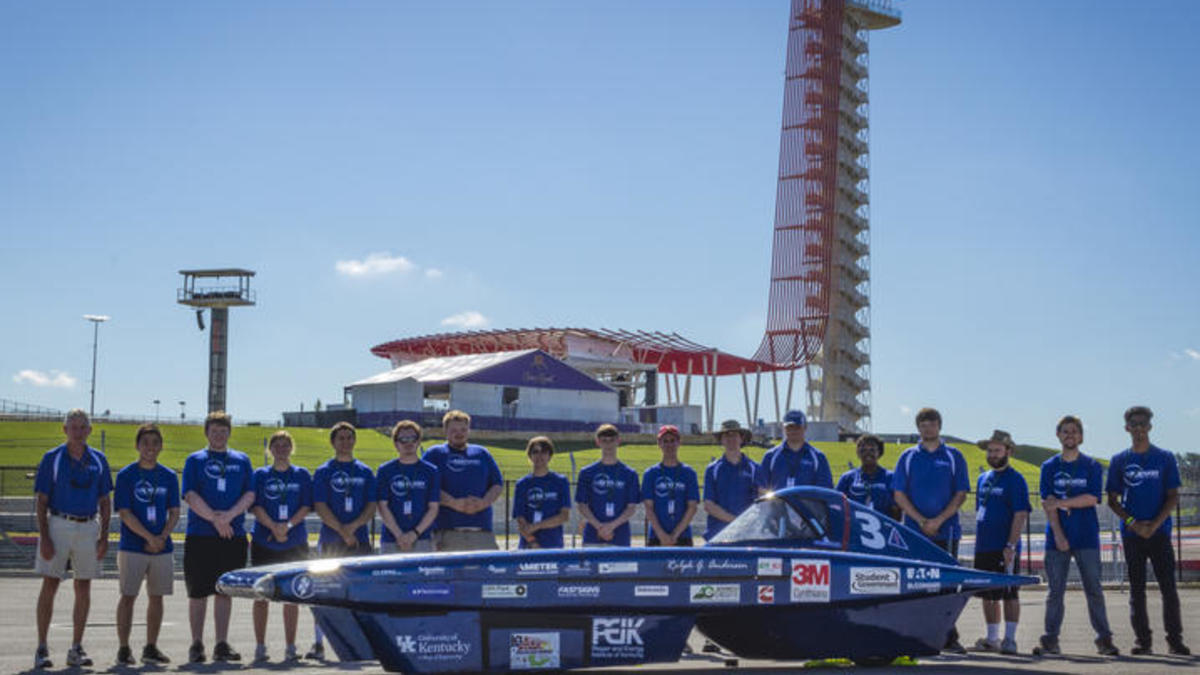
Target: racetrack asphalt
{"x":18,"y":597}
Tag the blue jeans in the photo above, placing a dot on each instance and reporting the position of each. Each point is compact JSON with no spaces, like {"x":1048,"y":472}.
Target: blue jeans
{"x":1057,"y":564}
{"x":1156,"y":549}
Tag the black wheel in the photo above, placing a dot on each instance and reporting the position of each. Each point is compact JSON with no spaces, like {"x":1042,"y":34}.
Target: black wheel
{"x":873,"y":661}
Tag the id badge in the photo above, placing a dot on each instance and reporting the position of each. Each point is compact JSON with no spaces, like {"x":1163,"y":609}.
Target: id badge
{"x":283,"y":512}
{"x":408,"y":508}
{"x":980,"y":514}
{"x":349,"y":504}
{"x":670,"y":508}
{"x":151,"y":513}
{"x":610,"y":510}
{"x":537,"y":516}
{"x":220,"y":485}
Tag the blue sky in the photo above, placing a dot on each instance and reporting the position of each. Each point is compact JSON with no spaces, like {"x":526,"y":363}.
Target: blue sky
{"x":1034,"y":201}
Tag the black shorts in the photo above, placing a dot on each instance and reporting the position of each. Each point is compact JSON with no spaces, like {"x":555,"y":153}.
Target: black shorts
{"x":993,"y":561}
{"x":205,"y":559}
{"x":262,"y":555}
{"x":652,"y":540}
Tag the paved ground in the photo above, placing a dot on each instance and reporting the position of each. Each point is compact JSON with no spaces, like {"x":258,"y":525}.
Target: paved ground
{"x":18,"y":596}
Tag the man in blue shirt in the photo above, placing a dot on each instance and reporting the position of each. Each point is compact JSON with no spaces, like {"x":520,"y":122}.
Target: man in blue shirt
{"x":1143,"y":489}
{"x":929,"y":485}
{"x":471,"y":483}
{"x":870,"y":483}
{"x":670,"y":493}
{"x":407,"y":490}
{"x":147,"y":501}
{"x":283,"y":496}
{"x":1001,"y":511}
{"x":1070,"y":486}
{"x":732,"y":481}
{"x":218,"y":487}
{"x":541,"y":500}
{"x":344,"y":497}
{"x":606,"y":494}
{"x":795,"y":461}
{"x":72,"y":485}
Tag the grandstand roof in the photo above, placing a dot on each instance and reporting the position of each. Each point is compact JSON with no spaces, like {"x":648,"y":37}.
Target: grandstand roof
{"x":668,"y":353}
{"x":527,"y":367}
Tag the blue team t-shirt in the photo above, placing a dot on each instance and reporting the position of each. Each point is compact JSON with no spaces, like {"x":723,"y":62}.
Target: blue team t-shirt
{"x":930,"y":480}
{"x":537,"y":498}
{"x":146,"y":493}
{"x":469,"y":472}
{"x":874,"y":490}
{"x":220,"y":479}
{"x":733,"y":487}
{"x":607,"y":489}
{"x":344,"y":487}
{"x":407,"y":490}
{"x":999,"y":495}
{"x":1142,"y":481}
{"x":786,"y":467}
{"x":1069,"y":479}
{"x":281,"y":494}
{"x":670,"y":488}
{"x":74,"y":487}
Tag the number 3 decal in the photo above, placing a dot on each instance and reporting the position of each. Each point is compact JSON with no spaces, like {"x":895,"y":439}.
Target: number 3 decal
{"x":869,"y":530}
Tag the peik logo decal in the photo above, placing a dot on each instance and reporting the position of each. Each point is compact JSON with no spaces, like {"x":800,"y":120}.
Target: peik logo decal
{"x":618,"y":638}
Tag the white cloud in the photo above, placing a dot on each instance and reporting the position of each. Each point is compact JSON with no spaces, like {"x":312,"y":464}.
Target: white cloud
{"x":1192,"y":354}
{"x":433,"y":273}
{"x":905,"y":410}
{"x":55,"y":378}
{"x":375,"y":264}
{"x":470,"y":319}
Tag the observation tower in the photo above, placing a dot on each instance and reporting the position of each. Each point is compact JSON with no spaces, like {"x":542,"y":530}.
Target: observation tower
{"x":818,"y":313}
{"x":218,"y":290}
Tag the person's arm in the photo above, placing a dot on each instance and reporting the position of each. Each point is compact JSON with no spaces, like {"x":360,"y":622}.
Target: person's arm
{"x":131,"y":521}
{"x":585,"y":512}
{"x":172,"y":521}
{"x":105,"y":508}
{"x":956,"y":502}
{"x":490,"y":496}
{"x":453,"y":503}
{"x":363,"y":518}
{"x":554,"y":521}
{"x":686,"y":521}
{"x":714,"y":509}
{"x":625,"y":516}
{"x":239,"y":507}
{"x":389,"y":520}
{"x":1014,"y":537}
{"x":42,"y":508}
{"x":907,"y":508}
{"x":824,"y":473}
{"x":655,"y":526}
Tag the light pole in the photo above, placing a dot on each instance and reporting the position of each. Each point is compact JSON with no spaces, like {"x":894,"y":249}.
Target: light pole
{"x":156,"y":402}
{"x":96,"y":320}
{"x":181,"y":414}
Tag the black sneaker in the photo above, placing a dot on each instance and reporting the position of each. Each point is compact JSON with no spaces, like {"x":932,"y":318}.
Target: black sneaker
{"x":317,"y":653}
{"x":125,"y":657}
{"x":223,"y":652}
{"x":1177,"y":648}
{"x":41,"y":658}
{"x":1047,"y":645}
{"x":150,"y":654}
{"x":196,"y":653}
{"x":1105,"y":647}
{"x":954,"y":647}
{"x":1141,"y":649}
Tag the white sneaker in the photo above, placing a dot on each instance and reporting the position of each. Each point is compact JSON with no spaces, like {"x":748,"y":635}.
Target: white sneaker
{"x":77,"y":657}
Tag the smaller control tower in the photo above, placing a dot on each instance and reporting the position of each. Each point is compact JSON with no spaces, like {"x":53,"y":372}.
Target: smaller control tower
{"x":218,"y":290}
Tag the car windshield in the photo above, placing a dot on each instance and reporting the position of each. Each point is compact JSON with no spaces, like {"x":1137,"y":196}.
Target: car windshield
{"x":775,"y":519}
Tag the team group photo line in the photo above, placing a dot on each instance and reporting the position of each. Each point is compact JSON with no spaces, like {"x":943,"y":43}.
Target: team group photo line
{"x":441,"y":499}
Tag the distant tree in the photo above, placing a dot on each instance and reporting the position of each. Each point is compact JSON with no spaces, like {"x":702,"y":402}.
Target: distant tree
{"x":1189,"y":468}
{"x":317,"y":405}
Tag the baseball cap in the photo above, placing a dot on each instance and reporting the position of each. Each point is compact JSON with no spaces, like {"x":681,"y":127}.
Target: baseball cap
{"x":668,"y":429}
{"x":795,"y":417}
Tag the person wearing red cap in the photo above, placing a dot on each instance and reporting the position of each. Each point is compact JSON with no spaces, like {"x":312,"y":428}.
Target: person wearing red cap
{"x":670,"y":494}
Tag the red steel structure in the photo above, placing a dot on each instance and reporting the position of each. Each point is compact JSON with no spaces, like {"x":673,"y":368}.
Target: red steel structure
{"x":818,"y":304}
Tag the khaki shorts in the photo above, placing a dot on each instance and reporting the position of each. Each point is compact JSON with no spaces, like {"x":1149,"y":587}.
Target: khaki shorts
{"x":72,"y":541}
{"x":157,"y":570}
{"x":419,"y":546}
{"x":466,"y":540}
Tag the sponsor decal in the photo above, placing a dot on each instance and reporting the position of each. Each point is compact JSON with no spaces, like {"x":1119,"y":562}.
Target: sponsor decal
{"x":681,"y":567}
{"x":435,"y":571}
{"x":302,"y":586}
{"x":535,"y":568}
{"x":430,"y":591}
{"x":501,"y":591}
{"x":652,"y":591}
{"x":726,"y":565}
{"x":810,"y":580}
{"x":677,"y":566}
{"x":618,"y":638}
{"x":497,"y":569}
{"x":766,"y":595}
{"x":627,"y":567}
{"x":770,"y":567}
{"x":930,"y":586}
{"x":895,"y":539}
{"x":703,"y":594}
{"x":874,"y":580}
{"x":430,"y":647}
{"x":578,"y":591}
{"x":923,"y":573}
{"x":531,"y":651}
{"x":581,"y":567}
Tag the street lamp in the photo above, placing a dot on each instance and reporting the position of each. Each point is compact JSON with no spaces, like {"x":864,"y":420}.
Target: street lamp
{"x":181,"y":414}
{"x":96,"y":320}
{"x":156,"y":402}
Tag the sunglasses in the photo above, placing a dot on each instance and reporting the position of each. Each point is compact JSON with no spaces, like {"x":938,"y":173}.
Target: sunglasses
{"x":1138,"y":424}
{"x":406,"y":439}
{"x":539,"y":450}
